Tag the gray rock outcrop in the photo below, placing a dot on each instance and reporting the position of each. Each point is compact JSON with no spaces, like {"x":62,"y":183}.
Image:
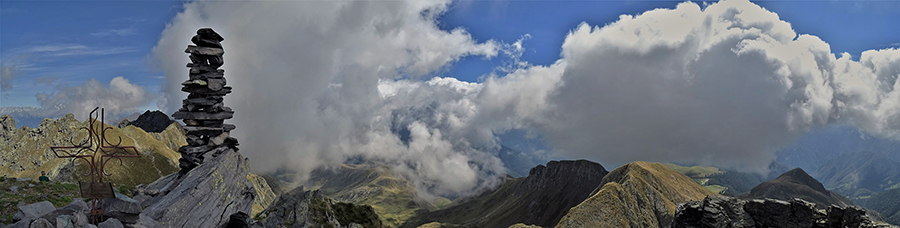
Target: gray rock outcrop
{"x":204,"y":197}
{"x":737,"y":213}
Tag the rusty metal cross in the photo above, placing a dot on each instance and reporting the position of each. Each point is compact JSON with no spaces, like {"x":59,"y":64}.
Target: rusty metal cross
{"x":96,"y":151}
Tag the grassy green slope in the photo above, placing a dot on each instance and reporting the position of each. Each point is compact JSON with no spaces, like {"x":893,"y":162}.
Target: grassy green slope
{"x":394,"y":199}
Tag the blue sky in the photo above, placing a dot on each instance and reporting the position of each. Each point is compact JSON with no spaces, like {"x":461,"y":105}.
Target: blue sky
{"x":318,"y":82}
{"x":69,"y":42}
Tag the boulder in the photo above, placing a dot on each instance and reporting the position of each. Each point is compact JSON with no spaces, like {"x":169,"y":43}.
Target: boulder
{"x":111,"y":223}
{"x":41,"y":223}
{"x":204,"y":196}
{"x":33,"y":211}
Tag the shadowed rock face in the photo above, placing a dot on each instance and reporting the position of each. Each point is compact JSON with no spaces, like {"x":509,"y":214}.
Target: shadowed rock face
{"x":798,"y":184}
{"x":540,"y":199}
{"x":154,"y":121}
{"x":731,"y":212}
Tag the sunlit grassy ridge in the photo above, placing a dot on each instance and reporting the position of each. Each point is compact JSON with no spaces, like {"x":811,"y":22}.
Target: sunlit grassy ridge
{"x":638,"y":194}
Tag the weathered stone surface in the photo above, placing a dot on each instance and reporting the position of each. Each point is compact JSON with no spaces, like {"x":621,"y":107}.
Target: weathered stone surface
{"x":33,"y":211}
{"x":204,"y":50}
{"x":214,"y":61}
{"x":206,"y":35}
{"x":200,"y":68}
{"x":202,"y":101}
{"x":264,"y":194}
{"x":41,"y":223}
{"x":190,"y":150}
{"x":215,"y":84}
{"x":24,"y":223}
{"x":209,"y":131}
{"x":7,"y":127}
{"x":208,"y":75}
{"x":194,"y":83}
{"x":121,"y":204}
{"x":203,"y":115}
{"x":206,"y":195}
{"x":732,"y":212}
{"x":111,"y":223}
{"x":76,"y":211}
{"x":65,"y":221}
{"x":207,"y":91}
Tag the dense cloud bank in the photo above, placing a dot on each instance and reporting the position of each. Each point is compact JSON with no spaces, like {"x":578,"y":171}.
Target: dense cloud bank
{"x":317,"y":83}
{"x":118,"y":99}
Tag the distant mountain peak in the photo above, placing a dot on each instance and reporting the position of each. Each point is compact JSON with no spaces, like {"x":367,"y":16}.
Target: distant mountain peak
{"x":797,"y":175}
{"x":796,"y":183}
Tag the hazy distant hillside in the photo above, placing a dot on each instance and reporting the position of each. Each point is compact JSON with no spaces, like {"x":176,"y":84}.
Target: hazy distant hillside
{"x":540,"y":199}
{"x":859,"y":173}
{"x":886,"y":203}
{"x":394,"y":199}
{"x":725,"y":181}
{"x":637,"y":194}
{"x":815,"y":148}
{"x":796,"y":183}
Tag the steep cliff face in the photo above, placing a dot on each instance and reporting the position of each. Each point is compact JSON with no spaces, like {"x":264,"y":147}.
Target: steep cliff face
{"x":796,"y":183}
{"x":638,"y":194}
{"x":730,"y":212}
{"x":540,"y":199}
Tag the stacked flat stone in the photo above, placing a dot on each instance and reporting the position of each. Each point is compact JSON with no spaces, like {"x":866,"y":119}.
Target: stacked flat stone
{"x":203,"y":113}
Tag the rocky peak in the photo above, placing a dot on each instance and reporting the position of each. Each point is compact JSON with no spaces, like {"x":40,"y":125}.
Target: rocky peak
{"x":796,"y":183}
{"x":558,"y":173}
{"x":797,"y":175}
{"x":155,"y":121}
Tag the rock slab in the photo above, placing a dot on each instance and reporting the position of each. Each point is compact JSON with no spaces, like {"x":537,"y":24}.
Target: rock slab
{"x":731,"y":212}
{"x":204,"y":197}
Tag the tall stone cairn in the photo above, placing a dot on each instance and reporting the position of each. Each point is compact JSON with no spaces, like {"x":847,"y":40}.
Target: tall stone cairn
{"x":203,"y":112}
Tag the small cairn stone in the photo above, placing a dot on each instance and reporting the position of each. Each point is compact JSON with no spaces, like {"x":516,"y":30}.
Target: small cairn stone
{"x":203,"y":112}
